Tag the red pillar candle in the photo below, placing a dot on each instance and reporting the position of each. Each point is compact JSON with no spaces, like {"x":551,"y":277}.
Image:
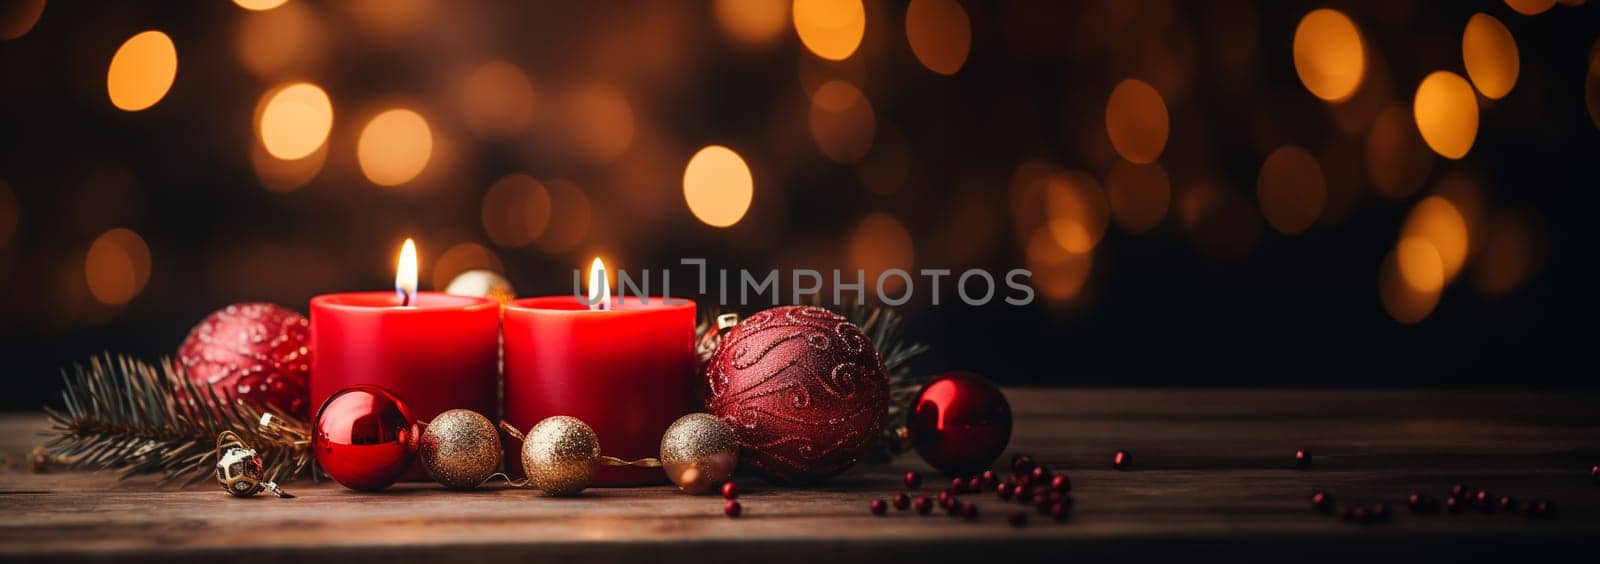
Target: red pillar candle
{"x":438,"y":353}
{"x":628,"y":371}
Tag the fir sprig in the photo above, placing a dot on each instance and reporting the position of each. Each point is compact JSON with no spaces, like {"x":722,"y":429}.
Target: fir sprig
{"x":140,"y":418}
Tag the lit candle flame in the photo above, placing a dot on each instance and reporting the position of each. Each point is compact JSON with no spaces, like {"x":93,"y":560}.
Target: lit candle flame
{"x":405,"y":274}
{"x":599,"y":286}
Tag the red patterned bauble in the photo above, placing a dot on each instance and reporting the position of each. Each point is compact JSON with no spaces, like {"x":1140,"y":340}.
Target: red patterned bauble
{"x":959,"y":423}
{"x":254,"y":351}
{"x":803,"y":388}
{"x":365,"y":437}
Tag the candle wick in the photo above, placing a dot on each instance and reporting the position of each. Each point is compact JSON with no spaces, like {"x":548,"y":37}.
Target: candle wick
{"x":405,"y":297}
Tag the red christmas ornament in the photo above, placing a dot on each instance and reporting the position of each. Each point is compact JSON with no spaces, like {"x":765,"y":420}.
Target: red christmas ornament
{"x":960,"y":423}
{"x":253,"y":351}
{"x":365,"y":437}
{"x":803,"y":388}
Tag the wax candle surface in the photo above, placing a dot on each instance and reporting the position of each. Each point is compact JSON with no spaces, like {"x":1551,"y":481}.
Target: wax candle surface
{"x":628,"y":372}
{"x":441,"y":353}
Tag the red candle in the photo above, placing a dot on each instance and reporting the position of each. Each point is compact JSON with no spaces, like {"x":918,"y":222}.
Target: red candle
{"x":628,"y":370}
{"x":438,"y":353}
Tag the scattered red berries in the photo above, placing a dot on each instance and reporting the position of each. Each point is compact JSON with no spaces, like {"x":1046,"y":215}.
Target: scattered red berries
{"x":1005,"y":490}
{"x":732,"y":508}
{"x":913,"y":480}
{"x":1460,"y":490}
{"x":1302,"y":459}
{"x":878,"y":507}
{"x":1321,"y":501}
{"x":958,"y":485}
{"x":1021,"y":464}
{"x":987,"y":480}
{"x":969,"y":512}
{"x":923,"y":505}
{"x":902,"y":501}
{"x":730,"y":490}
{"x":1454,"y":504}
{"x":1061,"y":483}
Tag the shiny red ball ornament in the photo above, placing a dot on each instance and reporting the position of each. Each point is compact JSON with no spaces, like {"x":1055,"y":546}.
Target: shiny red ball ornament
{"x":803,"y":389}
{"x":365,"y":437}
{"x":960,"y":423}
{"x":254,"y":351}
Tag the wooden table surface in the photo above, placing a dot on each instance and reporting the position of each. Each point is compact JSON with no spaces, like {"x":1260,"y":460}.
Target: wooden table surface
{"x":1214,"y":480}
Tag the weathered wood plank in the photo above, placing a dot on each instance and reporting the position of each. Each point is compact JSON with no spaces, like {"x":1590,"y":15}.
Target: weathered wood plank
{"x":1213,"y":477}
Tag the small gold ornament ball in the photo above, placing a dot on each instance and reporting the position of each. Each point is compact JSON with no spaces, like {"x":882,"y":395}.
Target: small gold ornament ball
{"x":480,"y":283}
{"x":699,"y":452}
{"x":459,"y":449}
{"x":239,"y":472}
{"x":559,"y":455}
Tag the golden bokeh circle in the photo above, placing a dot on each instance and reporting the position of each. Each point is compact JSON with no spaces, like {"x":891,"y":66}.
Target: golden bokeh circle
{"x":117,"y":266}
{"x":1446,"y":110}
{"x":754,"y":22}
{"x":19,"y":16}
{"x":497,"y":100}
{"x":259,"y":5}
{"x":1077,"y":210}
{"x":294,"y":120}
{"x":842,"y":122}
{"x":1136,"y":121}
{"x":1530,"y":7}
{"x":1328,"y":54}
{"x":142,"y":71}
{"x":1291,"y":189}
{"x":394,"y":147}
{"x":1139,"y":194}
{"x":516,"y":210}
{"x":1420,"y":264}
{"x":830,"y":29}
{"x":1439,"y":222}
{"x":1491,"y":57}
{"x":717,"y":186}
{"x":939,"y":33}
{"x":1398,"y":160}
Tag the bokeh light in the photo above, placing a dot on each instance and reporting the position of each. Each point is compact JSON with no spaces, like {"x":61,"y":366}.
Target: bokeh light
{"x":293,"y":120}
{"x":497,"y":100}
{"x":516,"y":210}
{"x":18,"y":16}
{"x":394,"y":147}
{"x":601,"y":122}
{"x":460,"y":258}
{"x":1530,"y":7}
{"x":1398,"y":160}
{"x":879,"y":243}
{"x":1058,"y":274}
{"x":1404,"y":302}
{"x":831,"y":29}
{"x":939,"y":33}
{"x":1491,"y":57}
{"x":755,"y":22}
{"x":1421,"y":265}
{"x":1136,"y":121}
{"x":1139,"y":195}
{"x":1437,"y":221}
{"x":1077,"y":210}
{"x":570,"y":216}
{"x":117,"y":266}
{"x":1446,"y":110}
{"x":1291,"y":189}
{"x":717,"y":185}
{"x":1328,"y":54}
{"x":842,"y":122}
{"x":142,"y":71}
{"x":1591,"y":85}
{"x":279,"y":175}
{"x":1508,"y":255}
{"x":259,"y":4}
{"x":279,"y":41}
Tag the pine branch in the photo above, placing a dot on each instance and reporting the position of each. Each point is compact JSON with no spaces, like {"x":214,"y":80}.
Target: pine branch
{"x":123,"y":414}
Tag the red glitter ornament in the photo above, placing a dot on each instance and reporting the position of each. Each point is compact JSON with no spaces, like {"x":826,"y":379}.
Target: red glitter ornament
{"x":804,"y":390}
{"x":253,"y":351}
{"x":365,"y":437}
{"x":960,"y":423}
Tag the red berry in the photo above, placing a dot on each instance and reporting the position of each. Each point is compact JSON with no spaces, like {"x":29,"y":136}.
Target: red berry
{"x":902,"y":501}
{"x":923,"y":505}
{"x":1302,"y":459}
{"x":975,"y":484}
{"x":1484,"y":501}
{"x":1453,"y":504}
{"x":1061,"y":483}
{"x":954,"y":509}
{"x":1017,"y":518}
{"x":730,"y":490}
{"x":1042,"y":503}
{"x":1321,"y":501}
{"x":1065,"y":500}
{"x":1021,"y":464}
{"x":1004,"y":490}
{"x":1120,"y":460}
{"x":1594,"y":474}
{"x":987,"y":479}
{"x":1040,"y":474}
{"x":957,"y":485}
{"x":1380,"y":512}
{"x":878,"y":507}
{"x":1023,"y":494}
{"x":969,"y":512}
{"x":1460,"y":490}
{"x":1059,"y":511}
{"x":945,"y":498}
{"x":1508,"y":503}
{"x":1540,"y":509}
{"x":913,"y":480}
{"x":732,"y":508}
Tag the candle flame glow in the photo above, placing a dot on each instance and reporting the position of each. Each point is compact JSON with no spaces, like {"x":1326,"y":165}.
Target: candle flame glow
{"x":599,"y":286}
{"x":405,"y":274}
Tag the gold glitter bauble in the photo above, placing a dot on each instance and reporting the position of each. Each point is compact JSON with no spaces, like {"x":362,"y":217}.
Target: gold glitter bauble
{"x":559,"y":455}
{"x":459,"y":449}
{"x":699,"y":453}
{"x":480,"y":283}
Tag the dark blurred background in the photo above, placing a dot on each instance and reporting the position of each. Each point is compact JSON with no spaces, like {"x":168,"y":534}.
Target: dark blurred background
{"x":1206,"y":196}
